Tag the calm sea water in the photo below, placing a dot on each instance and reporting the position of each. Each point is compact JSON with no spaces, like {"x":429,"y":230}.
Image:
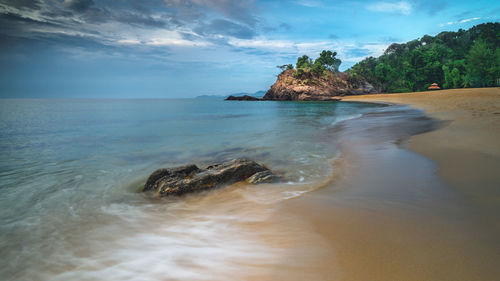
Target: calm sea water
{"x":70,"y":171}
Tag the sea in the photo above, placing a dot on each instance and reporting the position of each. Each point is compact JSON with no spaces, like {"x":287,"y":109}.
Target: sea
{"x":71,"y":173}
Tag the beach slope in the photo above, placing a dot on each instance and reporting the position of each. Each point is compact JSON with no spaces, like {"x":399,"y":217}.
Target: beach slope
{"x":466,"y":147}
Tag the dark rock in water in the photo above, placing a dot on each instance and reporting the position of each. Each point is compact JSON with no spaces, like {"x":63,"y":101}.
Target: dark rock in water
{"x":186,"y":179}
{"x":245,"y":98}
{"x":263,"y":177}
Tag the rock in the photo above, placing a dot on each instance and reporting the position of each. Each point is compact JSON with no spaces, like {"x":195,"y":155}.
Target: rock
{"x":186,"y":179}
{"x":262,"y":177}
{"x":178,"y":172}
{"x":244,"y":98}
{"x":309,"y":86}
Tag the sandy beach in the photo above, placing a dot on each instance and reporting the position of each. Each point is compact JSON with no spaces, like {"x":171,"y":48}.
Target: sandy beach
{"x":460,"y":243}
{"x":466,"y":146}
{"x":419,"y":208}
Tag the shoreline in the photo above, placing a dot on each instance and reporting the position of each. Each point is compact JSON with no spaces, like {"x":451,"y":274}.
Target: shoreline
{"x":388,"y":215}
{"x":465,"y":146}
{"x":380,"y":214}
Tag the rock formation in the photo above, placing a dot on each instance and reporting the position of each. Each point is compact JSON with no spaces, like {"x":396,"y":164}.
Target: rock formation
{"x":244,"y":97}
{"x":190,"y":178}
{"x":300,"y":85}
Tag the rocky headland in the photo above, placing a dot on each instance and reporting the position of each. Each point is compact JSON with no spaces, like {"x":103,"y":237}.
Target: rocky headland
{"x":292,"y":85}
{"x":314,"y":80}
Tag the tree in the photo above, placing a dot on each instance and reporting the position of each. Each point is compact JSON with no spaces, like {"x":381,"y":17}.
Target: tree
{"x":304,"y":62}
{"x":482,"y":64}
{"x":327,"y":60}
{"x":385,"y":74}
{"x":455,"y":78}
{"x":447,"y":77}
{"x":285,"y":67}
{"x":318,"y":67}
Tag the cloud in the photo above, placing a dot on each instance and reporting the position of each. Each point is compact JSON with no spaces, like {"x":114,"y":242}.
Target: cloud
{"x":350,"y":52}
{"x":309,"y":3}
{"x":460,"y":21}
{"x":262,"y":43}
{"x":226,"y":28}
{"x":195,"y":22}
{"x":432,"y":7}
{"x":285,"y":26}
{"x":140,"y":19}
{"x":78,"y":5}
{"x":241,"y":10}
{"x":332,"y":36}
{"x":31,"y":4}
{"x":401,"y":7}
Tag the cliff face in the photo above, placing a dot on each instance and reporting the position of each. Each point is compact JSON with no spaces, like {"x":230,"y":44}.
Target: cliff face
{"x":312,"y":86}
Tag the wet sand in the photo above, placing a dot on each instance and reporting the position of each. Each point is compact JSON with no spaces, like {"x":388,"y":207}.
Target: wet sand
{"x":442,"y":231}
{"x":430,"y":212}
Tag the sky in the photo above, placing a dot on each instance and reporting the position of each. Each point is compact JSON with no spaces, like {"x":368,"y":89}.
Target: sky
{"x":186,"y":48}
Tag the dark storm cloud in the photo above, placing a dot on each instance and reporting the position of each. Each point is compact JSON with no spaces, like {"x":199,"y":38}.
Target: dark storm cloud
{"x":225,"y":27}
{"x":10,"y":20}
{"x":31,"y":4}
{"x":235,"y":18}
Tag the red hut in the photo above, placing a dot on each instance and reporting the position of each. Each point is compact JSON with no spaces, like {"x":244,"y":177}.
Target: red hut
{"x":434,"y":86}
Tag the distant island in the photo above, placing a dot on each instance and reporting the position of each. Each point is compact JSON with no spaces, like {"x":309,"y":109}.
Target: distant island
{"x":462,"y":59}
{"x":258,"y":95}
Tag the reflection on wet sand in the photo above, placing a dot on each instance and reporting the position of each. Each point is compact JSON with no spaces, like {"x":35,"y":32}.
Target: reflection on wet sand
{"x":387,"y":217}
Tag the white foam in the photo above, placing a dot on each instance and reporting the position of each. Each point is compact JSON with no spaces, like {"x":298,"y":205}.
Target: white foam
{"x":196,"y":247}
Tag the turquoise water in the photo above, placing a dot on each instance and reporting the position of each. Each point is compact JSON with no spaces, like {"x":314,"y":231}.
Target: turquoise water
{"x":70,"y":171}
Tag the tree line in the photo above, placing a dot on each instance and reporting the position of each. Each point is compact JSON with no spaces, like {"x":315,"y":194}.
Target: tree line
{"x":466,"y":58}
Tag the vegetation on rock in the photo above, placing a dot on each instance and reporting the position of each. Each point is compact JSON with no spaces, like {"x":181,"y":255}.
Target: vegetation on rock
{"x":326,"y":62}
{"x":317,"y":80}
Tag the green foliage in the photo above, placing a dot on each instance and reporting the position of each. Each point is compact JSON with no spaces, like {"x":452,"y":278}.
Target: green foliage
{"x":318,"y":67}
{"x":299,"y":72}
{"x":285,"y":67}
{"x":447,"y":77}
{"x":466,"y":58}
{"x":455,"y":77}
{"x":483,"y":64}
{"x":304,"y":62}
{"x":325,"y":63}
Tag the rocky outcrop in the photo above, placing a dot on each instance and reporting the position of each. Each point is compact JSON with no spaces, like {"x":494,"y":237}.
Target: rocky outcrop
{"x":309,"y":86}
{"x":244,"y":98}
{"x":190,"y":178}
